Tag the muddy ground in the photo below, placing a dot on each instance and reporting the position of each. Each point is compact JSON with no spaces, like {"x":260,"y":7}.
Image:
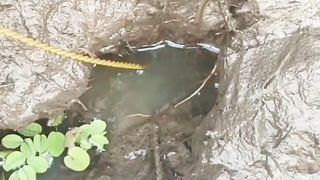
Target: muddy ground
{"x":256,"y":116}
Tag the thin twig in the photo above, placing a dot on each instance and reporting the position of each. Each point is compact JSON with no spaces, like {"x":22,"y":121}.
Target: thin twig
{"x":139,"y":115}
{"x":199,"y":89}
{"x":84,"y":107}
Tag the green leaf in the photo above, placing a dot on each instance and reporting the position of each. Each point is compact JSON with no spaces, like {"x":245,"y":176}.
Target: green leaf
{"x":99,"y":141}
{"x":11,"y":141}
{"x":56,"y":143}
{"x":31,"y":130}
{"x":71,"y":137}
{"x":4,"y":154}
{"x":40,"y":142}
{"x":28,"y":150}
{"x":77,"y":159}
{"x":31,"y":146}
{"x":97,"y":126}
{"x":39,"y":164}
{"x":59,"y":119}
{"x":84,"y":132}
{"x":14,"y":175}
{"x":84,"y":144}
{"x":27,"y":173}
{"x":14,"y":160}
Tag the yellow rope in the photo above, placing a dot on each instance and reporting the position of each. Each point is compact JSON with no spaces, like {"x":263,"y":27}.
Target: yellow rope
{"x":36,"y":44}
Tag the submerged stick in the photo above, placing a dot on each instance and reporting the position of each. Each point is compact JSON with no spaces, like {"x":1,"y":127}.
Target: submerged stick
{"x":199,"y":89}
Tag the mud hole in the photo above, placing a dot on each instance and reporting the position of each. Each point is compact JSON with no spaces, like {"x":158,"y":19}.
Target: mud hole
{"x":151,"y":114}
{"x":149,"y":131}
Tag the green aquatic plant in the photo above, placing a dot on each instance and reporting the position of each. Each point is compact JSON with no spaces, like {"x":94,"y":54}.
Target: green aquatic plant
{"x":56,"y":143}
{"x":88,"y":136}
{"x":77,"y":159}
{"x":31,"y":151}
{"x":31,"y":130}
{"x":12,"y":141}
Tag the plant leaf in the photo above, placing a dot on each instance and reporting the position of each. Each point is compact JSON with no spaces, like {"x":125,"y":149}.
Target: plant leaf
{"x":84,"y":144}
{"x":56,"y":143}
{"x":31,"y":130}
{"x":71,"y":137}
{"x":14,"y":160}
{"x":40,"y":143}
{"x":31,"y":146}
{"x":27,"y":173}
{"x":14,"y":175}
{"x":99,"y":141}
{"x":4,"y":154}
{"x":58,"y":120}
{"x":26,"y":149}
{"x":84,"y":132}
{"x":77,"y":159}
{"x":97,"y":126}
{"x":11,"y":141}
{"x":39,"y":164}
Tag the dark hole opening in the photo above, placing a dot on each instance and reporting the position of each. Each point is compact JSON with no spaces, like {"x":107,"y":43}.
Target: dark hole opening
{"x":171,"y":75}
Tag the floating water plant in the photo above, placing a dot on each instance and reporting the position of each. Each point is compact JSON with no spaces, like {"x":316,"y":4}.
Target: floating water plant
{"x":31,"y":130}
{"x":77,"y":159}
{"x":31,"y":151}
{"x":56,"y":143}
